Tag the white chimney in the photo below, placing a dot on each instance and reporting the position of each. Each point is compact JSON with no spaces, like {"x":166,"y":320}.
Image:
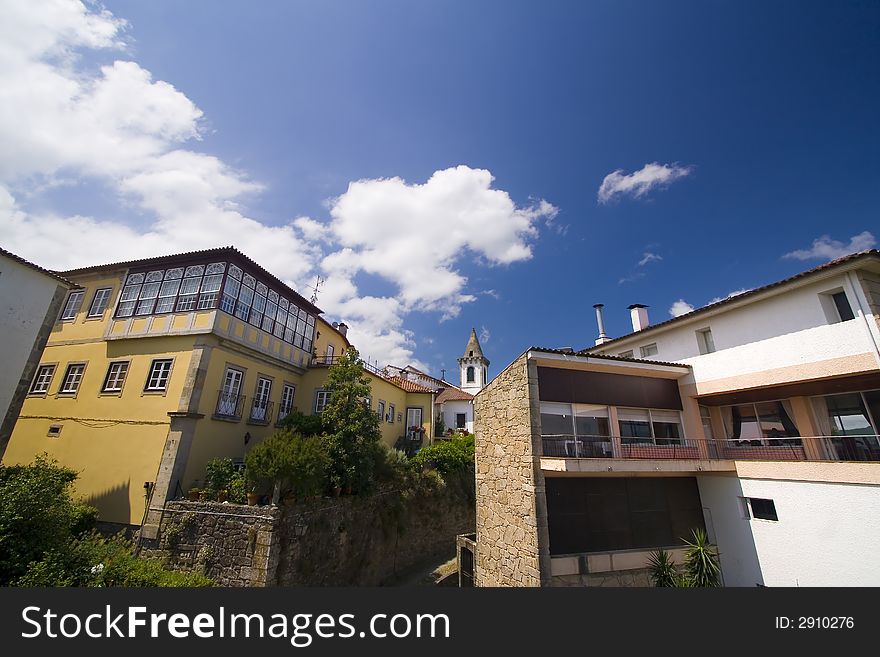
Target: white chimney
{"x":342,"y":327}
{"x":601,"y":322}
{"x":639,"y":315}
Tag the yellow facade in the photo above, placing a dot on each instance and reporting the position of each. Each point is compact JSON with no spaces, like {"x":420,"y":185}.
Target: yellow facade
{"x":121,"y":439}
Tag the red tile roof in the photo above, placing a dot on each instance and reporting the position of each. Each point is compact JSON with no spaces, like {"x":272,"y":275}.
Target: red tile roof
{"x":409,"y":386}
{"x":453,"y":394}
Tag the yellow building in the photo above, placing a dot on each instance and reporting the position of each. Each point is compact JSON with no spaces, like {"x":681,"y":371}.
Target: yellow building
{"x":156,"y":366}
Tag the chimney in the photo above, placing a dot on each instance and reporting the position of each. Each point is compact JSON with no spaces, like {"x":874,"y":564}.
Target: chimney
{"x":342,"y":327}
{"x":639,"y":313}
{"x":601,"y":322}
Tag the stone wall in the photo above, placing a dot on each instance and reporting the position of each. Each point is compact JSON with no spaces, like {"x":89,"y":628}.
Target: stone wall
{"x":233,"y":544}
{"x":637,"y":578}
{"x":512,"y":540}
{"x":350,"y":540}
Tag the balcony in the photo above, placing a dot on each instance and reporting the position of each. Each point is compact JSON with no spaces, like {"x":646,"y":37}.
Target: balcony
{"x":812,"y":448}
{"x":229,"y":406}
{"x":261,"y":412}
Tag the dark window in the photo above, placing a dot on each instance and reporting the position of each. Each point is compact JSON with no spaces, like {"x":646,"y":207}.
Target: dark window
{"x":843,"y":307}
{"x":763,"y":509}
{"x":460,"y":419}
{"x":602,"y":514}
{"x":470,"y":375}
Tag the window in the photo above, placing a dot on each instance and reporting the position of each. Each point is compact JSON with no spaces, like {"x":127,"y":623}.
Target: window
{"x":74,"y":301}
{"x":576,"y":430}
{"x":705,"y":341}
{"x":157,"y":379}
{"x":761,"y":509}
{"x":380,"y":410}
{"x":391,"y":413}
{"x":40,"y":386}
{"x":649,"y":350}
{"x":470,"y":375}
{"x":626,"y":354}
{"x":764,"y":423}
{"x":647,"y":425}
{"x":850,"y":422}
{"x":99,"y":302}
{"x":261,"y":407}
{"x":706,"y":418}
{"x":329,"y":357}
{"x":115,"y":377}
{"x":228,"y":401}
{"x":54,"y":431}
{"x":322,"y":398}
{"x":286,"y":401}
{"x":485,"y":376}
{"x":836,"y":306}
{"x":72,"y":378}
{"x":460,"y":420}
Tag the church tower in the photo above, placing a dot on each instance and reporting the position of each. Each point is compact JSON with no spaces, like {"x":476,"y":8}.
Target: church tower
{"x":474,"y":366}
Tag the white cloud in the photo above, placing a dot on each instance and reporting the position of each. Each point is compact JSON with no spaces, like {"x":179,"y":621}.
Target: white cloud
{"x":649,"y":257}
{"x":825,"y":248}
{"x":114,"y":127}
{"x":639,"y":183}
{"x":631,"y":278}
{"x":484,"y":335}
{"x":680,"y":307}
{"x":492,"y":293}
{"x":735,"y":293}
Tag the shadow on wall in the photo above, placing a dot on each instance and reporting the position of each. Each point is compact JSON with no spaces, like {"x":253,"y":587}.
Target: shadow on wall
{"x":113,"y":504}
{"x":728,"y":527}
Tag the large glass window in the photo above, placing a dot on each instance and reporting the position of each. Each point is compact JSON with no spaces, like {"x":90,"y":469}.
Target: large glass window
{"x":850,"y":420}
{"x":765,"y":423}
{"x":576,"y":430}
{"x":74,"y":301}
{"x":646,"y":425}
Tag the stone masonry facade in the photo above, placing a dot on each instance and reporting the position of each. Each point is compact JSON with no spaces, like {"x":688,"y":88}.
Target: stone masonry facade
{"x":512,"y":540}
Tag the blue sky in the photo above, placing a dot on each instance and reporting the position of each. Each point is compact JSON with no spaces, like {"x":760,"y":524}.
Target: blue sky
{"x":245,"y":123}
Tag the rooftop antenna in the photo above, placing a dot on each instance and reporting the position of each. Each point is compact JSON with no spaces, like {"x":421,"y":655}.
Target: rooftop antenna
{"x":318,"y":282}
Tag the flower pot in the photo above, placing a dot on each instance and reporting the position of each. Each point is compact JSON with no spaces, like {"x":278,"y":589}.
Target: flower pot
{"x":222,"y":495}
{"x":253,"y":499}
{"x":193,"y":495}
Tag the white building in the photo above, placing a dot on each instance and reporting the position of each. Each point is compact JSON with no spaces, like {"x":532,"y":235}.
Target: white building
{"x":30,"y":300}
{"x":756,"y":418}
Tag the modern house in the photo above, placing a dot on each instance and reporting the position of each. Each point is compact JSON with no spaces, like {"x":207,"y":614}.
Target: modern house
{"x":30,"y":299}
{"x":154,"y":367}
{"x":755,"y":418}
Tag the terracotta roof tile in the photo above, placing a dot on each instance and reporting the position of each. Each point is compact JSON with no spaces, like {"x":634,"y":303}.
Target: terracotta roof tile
{"x":453,"y":394}
{"x":409,"y":386}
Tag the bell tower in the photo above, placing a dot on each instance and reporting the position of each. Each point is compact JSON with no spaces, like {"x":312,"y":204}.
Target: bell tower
{"x":474,"y":366}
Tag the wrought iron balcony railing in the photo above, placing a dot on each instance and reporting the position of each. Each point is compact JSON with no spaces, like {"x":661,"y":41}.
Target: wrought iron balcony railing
{"x":229,"y":405}
{"x":261,"y":411}
{"x":808,"y":448}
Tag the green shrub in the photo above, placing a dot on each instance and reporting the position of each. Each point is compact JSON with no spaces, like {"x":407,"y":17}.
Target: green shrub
{"x":238,"y":489}
{"x":219,"y":475}
{"x":448,"y":456}
{"x":663,"y":570}
{"x":291,"y":463}
{"x":701,"y":565}
{"x":305,"y":425}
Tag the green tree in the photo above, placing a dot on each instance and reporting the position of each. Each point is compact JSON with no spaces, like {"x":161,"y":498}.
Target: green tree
{"x":290,"y":463}
{"x":305,"y":425}
{"x":353,"y":436}
{"x":37,"y":514}
{"x":701,"y":561}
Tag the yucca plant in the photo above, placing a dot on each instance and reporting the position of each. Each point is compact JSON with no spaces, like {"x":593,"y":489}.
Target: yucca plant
{"x":701,"y":561}
{"x":663,"y":572}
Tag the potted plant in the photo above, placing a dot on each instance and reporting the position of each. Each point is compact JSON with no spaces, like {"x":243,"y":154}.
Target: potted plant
{"x":222,"y":495}
{"x":253,"y":498}
{"x":193,"y":494}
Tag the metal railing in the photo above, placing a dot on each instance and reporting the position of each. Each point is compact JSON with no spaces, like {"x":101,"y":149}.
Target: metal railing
{"x":261,"y":411}
{"x":229,"y":405}
{"x":327,"y":361}
{"x":807,"y":448}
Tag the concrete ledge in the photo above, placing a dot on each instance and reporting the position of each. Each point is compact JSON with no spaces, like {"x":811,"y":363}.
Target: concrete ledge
{"x":633,"y":467}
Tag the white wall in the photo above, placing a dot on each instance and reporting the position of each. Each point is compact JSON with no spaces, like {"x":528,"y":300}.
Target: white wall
{"x":788,"y":329}
{"x":451,"y":408}
{"x":25,"y":296}
{"x":722,"y":512}
{"x":828,"y":534}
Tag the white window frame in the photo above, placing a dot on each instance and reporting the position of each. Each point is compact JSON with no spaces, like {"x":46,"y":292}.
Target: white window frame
{"x":391,"y":412}
{"x":328,"y":358}
{"x":644,"y":348}
{"x":705,"y":341}
{"x":50,"y":368}
{"x":260,"y":404}
{"x":629,"y":353}
{"x":74,"y":302}
{"x":682,"y":438}
{"x":72,"y":380}
{"x":114,"y":375}
{"x":322,"y":398}
{"x":157,"y":366}
{"x":102,"y":293}
{"x":286,"y":404}
{"x":380,"y":409}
